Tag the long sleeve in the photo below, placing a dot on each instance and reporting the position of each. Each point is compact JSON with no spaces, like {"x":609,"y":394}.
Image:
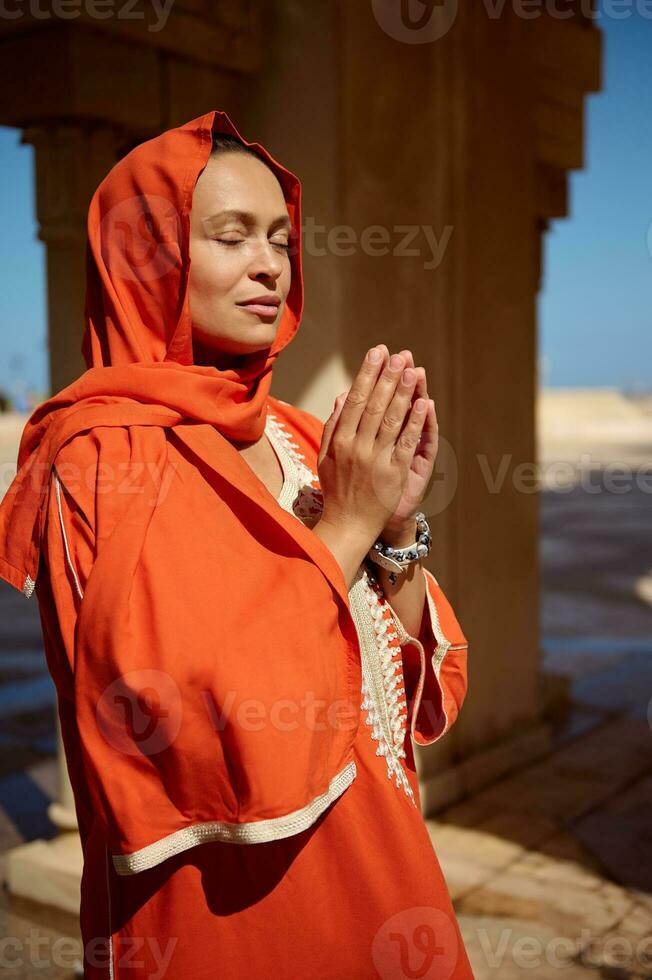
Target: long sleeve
{"x":67,"y":557}
{"x":69,"y":546}
{"x":68,"y":554}
{"x":84,"y":506}
{"x":435,"y":670}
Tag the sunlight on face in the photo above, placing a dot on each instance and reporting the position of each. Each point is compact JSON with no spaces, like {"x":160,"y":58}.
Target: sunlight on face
{"x":239,"y":240}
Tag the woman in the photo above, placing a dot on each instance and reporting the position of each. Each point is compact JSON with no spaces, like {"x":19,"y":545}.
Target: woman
{"x":237,"y":696}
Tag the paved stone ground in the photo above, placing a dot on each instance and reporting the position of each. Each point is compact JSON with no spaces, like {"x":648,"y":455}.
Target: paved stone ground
{"x":550,"y":868}
{"x":554,"y":862}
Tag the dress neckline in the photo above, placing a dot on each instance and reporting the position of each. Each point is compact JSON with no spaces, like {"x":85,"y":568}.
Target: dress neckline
{"x":290,"y":488}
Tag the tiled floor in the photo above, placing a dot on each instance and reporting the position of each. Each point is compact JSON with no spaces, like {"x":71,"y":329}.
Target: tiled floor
{"x":28,"y":773}
{"x":551,"y":867}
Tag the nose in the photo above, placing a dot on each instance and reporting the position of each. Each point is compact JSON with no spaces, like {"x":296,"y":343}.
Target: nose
{"x":266,"y":261}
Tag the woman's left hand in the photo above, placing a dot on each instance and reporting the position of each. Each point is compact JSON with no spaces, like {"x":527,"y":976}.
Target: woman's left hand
{"x":402,"y":521}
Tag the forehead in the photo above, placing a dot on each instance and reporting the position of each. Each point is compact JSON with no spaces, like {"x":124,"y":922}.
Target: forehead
{"x":238,"y":181}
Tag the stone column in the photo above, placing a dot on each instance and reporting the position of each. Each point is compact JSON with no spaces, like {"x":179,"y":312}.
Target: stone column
{"x":69,"y":163}
{"x":62,"y":810}
{"x":453,"y":151}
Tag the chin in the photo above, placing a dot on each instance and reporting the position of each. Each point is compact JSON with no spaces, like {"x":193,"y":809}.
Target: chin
{"x":256,"y":336}
{"x":240,"y":340}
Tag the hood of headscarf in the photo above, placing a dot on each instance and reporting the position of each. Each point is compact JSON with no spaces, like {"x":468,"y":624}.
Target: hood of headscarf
{"x":138,"y":263}
{"x":137,"y":341}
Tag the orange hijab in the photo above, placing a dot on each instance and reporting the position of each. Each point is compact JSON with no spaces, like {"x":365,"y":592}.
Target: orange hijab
{"x":204,"y":596}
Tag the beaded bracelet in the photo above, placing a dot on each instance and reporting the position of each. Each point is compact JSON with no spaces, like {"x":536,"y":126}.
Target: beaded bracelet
{"x":396,"y":560}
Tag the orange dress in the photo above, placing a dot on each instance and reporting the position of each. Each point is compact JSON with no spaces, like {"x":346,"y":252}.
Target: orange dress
{"x":356,"y":892}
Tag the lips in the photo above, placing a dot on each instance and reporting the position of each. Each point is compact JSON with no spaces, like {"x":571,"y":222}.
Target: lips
{"x":263,"y":305}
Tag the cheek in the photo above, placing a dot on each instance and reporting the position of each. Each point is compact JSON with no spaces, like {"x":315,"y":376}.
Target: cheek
{"x":286,"y":279}
{"x":213,"y":274}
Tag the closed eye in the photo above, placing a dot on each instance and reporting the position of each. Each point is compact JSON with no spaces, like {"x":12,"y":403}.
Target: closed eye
{"x":233,"y":242}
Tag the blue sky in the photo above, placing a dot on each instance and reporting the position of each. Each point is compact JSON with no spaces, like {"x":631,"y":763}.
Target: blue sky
{"x":596,"y":304}
{"x":595,"y":308}
{"x":23,"y":354}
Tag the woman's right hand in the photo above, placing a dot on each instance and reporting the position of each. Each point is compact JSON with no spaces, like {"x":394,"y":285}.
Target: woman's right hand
{"x":367,"y":447}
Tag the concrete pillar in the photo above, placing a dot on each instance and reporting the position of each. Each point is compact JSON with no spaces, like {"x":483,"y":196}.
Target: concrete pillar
{"x":62,"y":810}
{"x":441,"y":164}
{"x":69,"y":163}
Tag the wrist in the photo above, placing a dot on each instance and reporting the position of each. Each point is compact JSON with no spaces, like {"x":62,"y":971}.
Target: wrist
{"x":400,"y":534}
{"x":348,"y":530}
{"x":347,"y":542}
{"x":398,"y":550}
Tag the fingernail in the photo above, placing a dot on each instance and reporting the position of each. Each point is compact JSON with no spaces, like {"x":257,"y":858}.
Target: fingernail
{"x":396,"y":361}
{"x":420,"y":405}
{"x":408,"y":376}
{"x":374,"y":355}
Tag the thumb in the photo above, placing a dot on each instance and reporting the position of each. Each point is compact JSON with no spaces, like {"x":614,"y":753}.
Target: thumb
{"x":329,"y":426}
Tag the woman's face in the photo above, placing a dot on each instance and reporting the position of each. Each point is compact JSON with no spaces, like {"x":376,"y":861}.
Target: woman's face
{"x":239,"y":241}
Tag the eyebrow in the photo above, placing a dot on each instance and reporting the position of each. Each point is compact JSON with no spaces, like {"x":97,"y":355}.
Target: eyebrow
{"x":248,"y":218}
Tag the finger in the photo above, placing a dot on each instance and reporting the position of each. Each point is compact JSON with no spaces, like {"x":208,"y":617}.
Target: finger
{"x":429,"y":442}
{"x":375,"y":416}
{"x":420,"y":389}
{"x":358,"y":394}
{"x":406,"y":444}
{"x":329,"y":427}
{"x":397,"y":412}
{"x":339,"y":402}
{"x":385,"y":351}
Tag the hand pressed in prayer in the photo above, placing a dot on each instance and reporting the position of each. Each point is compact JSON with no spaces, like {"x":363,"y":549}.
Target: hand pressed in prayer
{"x":423,"y":460}
{"x":401,"y":518}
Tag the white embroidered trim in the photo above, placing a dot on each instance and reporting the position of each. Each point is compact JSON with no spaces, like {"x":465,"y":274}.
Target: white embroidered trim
{"x":437,"y":658}
{"x":443,"y":643}
{"x":29,"y":584}
{"x":298,"y":494}
{"x":63,"y":532}
{"x":282,"y":448}
{"x":392,"y":665}
{"x":108,"y":895}
{"x":257,"y":832}
{"x":380,"y":673}
{"x":382,"y":665}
